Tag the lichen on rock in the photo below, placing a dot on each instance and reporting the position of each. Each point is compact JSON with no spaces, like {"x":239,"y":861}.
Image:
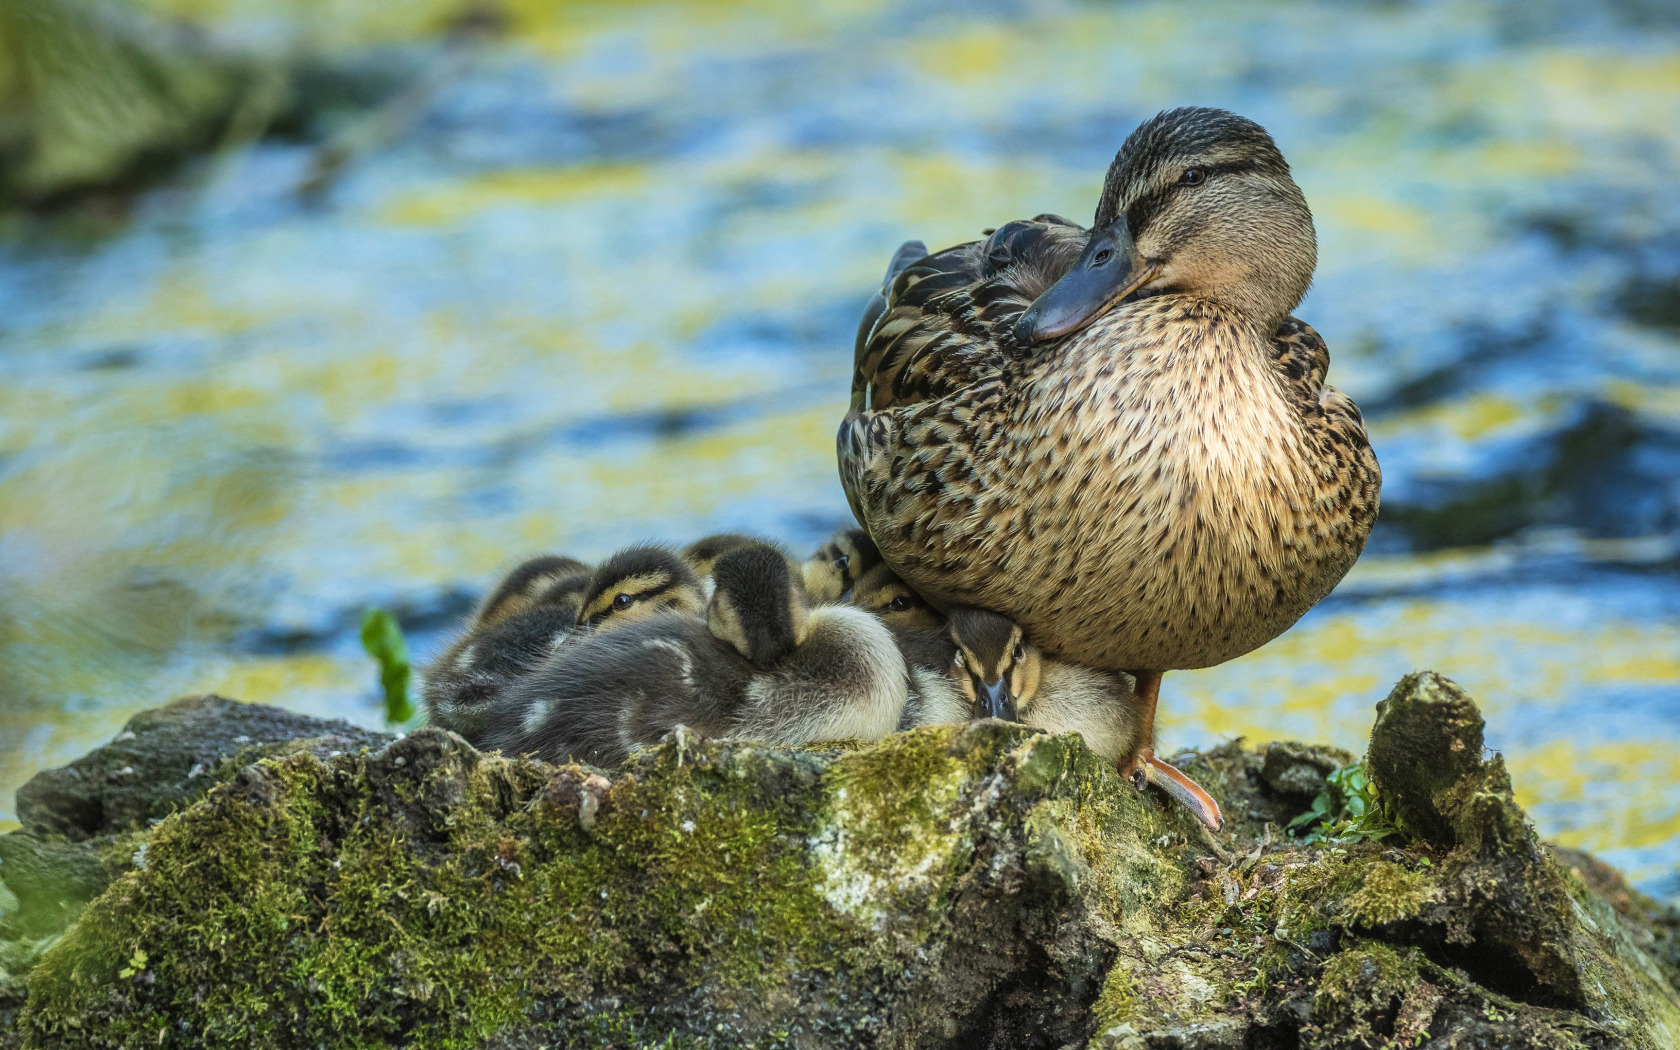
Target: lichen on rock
{"x":987,"y":885}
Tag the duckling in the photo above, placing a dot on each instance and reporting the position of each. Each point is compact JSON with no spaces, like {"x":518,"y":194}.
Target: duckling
{"x":881,"y":592}
{"x":763,"y":664}
{"x":480,"y":666}
{"x":519,"y":589}
{"x":704,"y":552}
{"x":639,"y":582}
{"x":837,"y":565}
{"x":1118,"y":437}
{"x":992,"y":671}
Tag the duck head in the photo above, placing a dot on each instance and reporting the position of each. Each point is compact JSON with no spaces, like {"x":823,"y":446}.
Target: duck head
{"x":757,"y":605}
{"x":704,"y":552}
{"x":881,"y":592}
{"x":525,"y":587}
{"x":994,"y":667}
{"x":838,"y":565}
{"x":1198,"y":202}
{"x":636,"y":583}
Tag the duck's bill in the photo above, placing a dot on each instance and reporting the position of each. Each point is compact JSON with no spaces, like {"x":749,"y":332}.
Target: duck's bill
{"x":997,"y":703}
{"x":1184,"y":791}
{"x":1108,"y":270}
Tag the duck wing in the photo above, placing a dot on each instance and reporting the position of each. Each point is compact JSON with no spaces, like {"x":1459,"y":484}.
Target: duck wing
{"x":1350,"y":479}
{"x":942,"y":322}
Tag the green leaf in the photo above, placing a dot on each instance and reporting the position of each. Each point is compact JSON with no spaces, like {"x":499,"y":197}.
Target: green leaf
{"x":383,"y":639}
{"x":1347,"y":810}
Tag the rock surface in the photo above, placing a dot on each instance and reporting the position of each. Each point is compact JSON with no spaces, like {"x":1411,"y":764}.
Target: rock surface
{"x":952,"y":887}
{"x":84,"y":822}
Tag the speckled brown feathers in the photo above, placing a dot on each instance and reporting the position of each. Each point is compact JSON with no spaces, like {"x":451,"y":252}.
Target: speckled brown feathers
{"x":1169,"y":487}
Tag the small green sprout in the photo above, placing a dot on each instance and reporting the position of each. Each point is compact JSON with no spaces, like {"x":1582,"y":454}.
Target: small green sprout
{"x":1346,"y":811}
{"x":382,"y":637}
{"x":136,"y":963}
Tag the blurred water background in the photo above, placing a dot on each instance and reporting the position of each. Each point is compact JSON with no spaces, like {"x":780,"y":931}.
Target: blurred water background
{"x":538,"y":275}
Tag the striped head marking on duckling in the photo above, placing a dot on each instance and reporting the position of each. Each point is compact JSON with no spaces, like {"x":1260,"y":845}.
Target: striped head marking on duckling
{"x":838,"y":565}
{"x":636,"y":583}
{"x":757,"y":606}
{"x":524,"y":588}
{"x":881,"y":592}
{"x":993,"y":666}
{"x":704,"y":552}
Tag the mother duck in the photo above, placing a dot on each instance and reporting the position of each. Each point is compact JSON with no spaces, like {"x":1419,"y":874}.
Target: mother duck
{"x":1118,"y":437}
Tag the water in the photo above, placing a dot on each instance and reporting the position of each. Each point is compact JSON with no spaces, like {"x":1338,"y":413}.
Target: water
{"x":602,"y":289}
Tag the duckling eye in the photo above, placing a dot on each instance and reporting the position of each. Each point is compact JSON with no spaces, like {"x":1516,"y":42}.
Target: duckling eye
{"x":1020,"y":651}
{"x":623,"y":602}
{"x":958,"y":660}
{"x":1192,"y":177}
{"x":899,"y":604}
{"x":841,"y":562}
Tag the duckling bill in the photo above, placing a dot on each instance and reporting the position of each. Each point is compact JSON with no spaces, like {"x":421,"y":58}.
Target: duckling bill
{"x":992,"y":671}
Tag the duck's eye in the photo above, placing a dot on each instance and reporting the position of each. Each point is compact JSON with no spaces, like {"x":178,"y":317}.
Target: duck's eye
{"x":841,"y":562}
{"x":1192,"y":177}
{"x":623,"y":602}
{"x":1020,"y":651}
{"x":899,"y":604}
{"x":1102,"y":256}
{"x":958,"y":660}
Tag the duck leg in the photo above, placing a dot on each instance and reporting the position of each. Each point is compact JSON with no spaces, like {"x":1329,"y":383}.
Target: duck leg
{"x":1144,"y":768}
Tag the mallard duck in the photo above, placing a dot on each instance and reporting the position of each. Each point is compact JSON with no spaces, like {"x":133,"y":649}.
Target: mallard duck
{"x":763,"y":664}
{"x":980,"y":665}
{"x":881,"y":592}
{"x":837,"y":565}
{"x":481,"y":665}
{"x":1118,"y":437}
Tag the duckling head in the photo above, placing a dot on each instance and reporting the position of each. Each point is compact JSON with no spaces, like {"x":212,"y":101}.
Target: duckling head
{"x":525,"y":587}
{"x":757,"y":605}
{"x":839,"y":564}
{"x":881,"y":592}
{"x":1198,"y":202}
{"x":994,"y":667}
{"x":636,"y":583}
{"x":704,"y":552}
{"x":565,"y":594}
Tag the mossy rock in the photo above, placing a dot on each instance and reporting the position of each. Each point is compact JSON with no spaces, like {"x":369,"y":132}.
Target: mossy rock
{"x":979,"y":886}
{"x":84,"y":823}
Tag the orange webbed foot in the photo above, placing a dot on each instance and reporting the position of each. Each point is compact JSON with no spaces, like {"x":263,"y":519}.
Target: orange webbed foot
{"x":1145,"y":769}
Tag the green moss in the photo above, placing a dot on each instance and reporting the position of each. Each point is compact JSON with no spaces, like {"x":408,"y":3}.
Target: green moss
{"x":1117,"y":1003}
{"x":885,"y":836}
{"x":735,"y":895}
{"x":1368,"y":977}
{"x":299,"y":904}
{"x":1388,"y":893}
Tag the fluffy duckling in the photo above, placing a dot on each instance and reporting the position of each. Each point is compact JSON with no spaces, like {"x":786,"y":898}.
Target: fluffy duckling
{"x":521,"y":589}
{"x":990,"y":670}
{"x":631,"y":585}
{"x":639,"y":582}
{"x":763,"y":664}
{"x":881,"y":592}
{"x":837,"y":565}
{"x":704,"y":552}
